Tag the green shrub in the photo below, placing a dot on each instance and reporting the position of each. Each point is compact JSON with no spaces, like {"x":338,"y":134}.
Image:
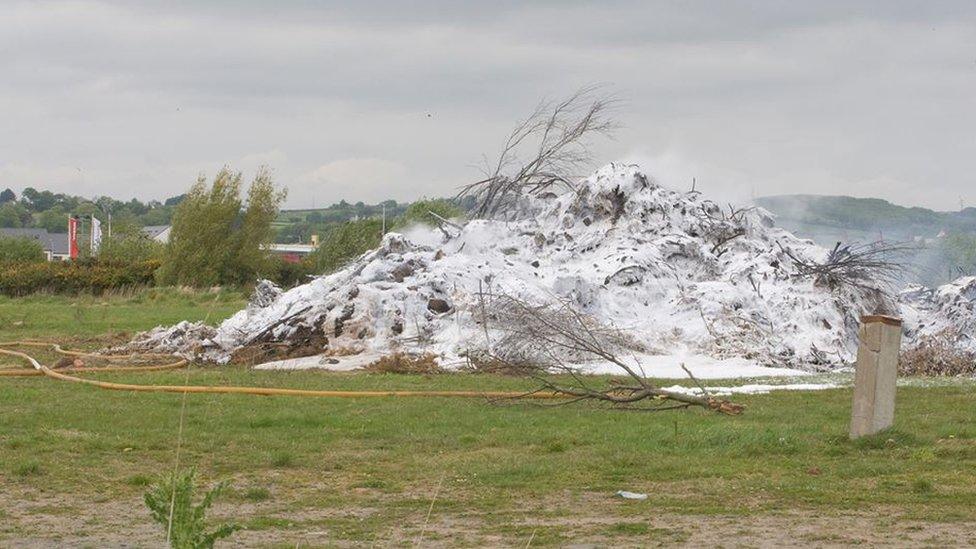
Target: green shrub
{"x":73,"y":277}
{"x":130,"y":248}
{"x":344,"y":243}
{"x":170,"y":503}
{"x":20,"y":250}
{"x":419,"y":212}
{"x":288,"y":274}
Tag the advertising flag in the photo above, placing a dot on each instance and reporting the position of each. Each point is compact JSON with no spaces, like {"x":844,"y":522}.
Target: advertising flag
{"x":73,"y":237}
{"x":96,"y":235}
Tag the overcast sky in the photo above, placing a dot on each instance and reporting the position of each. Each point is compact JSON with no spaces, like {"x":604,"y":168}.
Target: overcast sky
{"x":394,"y":99}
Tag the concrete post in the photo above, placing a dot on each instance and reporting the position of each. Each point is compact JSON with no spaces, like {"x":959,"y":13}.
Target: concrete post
{"x":877,"y":370}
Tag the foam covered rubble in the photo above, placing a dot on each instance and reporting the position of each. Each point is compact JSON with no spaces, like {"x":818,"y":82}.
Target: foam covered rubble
{"x":682,"y":274}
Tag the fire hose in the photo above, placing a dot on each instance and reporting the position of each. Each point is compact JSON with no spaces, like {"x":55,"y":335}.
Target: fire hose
{"x":41,"y":370}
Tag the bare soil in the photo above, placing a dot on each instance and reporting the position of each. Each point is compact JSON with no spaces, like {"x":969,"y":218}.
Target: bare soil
{"x":42,"y":519}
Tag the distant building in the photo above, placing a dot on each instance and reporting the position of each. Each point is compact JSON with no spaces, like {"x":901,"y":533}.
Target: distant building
{"x":159,"y":233}
{"x":294,"y":253}
{"x":55,"y":245}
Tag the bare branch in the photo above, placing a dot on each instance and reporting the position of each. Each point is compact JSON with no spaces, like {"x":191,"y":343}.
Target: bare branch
{"x":861,"y":266}
{"x":557,"y":134}
{"x":547,"y":341}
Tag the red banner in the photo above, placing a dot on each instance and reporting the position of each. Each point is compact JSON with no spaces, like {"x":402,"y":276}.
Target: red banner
{"x":73,"y":237}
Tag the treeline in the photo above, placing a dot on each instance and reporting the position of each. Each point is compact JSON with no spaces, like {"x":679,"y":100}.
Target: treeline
{"x":220,"y":236}
{"x":299,"y":225}
{"x":48,"y":210}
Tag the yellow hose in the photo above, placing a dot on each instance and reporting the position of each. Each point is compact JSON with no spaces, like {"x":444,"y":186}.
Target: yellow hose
{"x":57,"y":348}
{"x":263,"y":391}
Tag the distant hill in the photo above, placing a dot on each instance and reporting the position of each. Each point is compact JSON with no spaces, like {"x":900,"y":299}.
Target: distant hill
{"x":827,"y":219}
{"x":830,"y":219}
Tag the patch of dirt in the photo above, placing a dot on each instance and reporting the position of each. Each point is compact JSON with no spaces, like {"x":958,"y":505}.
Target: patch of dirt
{"x":32,"y":518}
{"x":403,"y":363}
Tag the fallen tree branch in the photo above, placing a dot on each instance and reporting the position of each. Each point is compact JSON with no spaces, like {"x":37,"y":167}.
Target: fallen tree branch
{"x":863,"y":266}
{"x":543,"y":341}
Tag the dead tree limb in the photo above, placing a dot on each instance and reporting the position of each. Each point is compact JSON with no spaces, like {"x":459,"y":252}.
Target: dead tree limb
{"x":555,"y":138}
{"x":862,"y":266}
{"x":543,"y":341}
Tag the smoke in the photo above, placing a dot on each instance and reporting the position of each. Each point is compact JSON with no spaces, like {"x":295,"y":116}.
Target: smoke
{"x":677,"y":171}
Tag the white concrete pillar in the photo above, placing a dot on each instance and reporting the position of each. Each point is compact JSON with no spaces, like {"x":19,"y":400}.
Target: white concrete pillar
{"x":877,"y":371}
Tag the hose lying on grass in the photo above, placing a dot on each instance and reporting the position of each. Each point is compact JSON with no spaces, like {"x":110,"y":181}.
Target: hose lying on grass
{"x":40,"y":369}
{"x":568,"y":396}
{"x":67,"y":352}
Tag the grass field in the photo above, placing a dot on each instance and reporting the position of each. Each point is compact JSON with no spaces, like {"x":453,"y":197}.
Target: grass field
{"x":74,"y":460}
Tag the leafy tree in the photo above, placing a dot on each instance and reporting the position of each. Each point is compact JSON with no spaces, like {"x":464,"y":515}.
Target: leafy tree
{"x":86,"y":209}
{"x":344,"y":243}
{"x":213,"y":241}
{"x":10,"y":215}
{"x":158,"y":215}
{"x":20,"y":250}
{"x":7,"y":196}
{"x":170,"y":503}
{"x":174,"y":200}
{"x":419,"y":212}
{"x":125,"y":223}
{"x":130,"y":247}
{"x":256,"y":232}
{"x":959,"y":253}
{"x":40,"y":201}
{"x":200,"y":243}
{"x":54,"y":220}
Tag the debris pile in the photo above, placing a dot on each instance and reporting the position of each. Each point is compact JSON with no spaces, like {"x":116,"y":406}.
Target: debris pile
{"x":680,"y":274}
{"x":940,"y":328}
{"x":931,"y":312}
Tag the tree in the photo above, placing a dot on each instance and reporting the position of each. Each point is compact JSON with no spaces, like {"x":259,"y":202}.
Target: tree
{"x":20,"y":250}
{"x":958,"y":252}
{"x":213,"y":240}
{"x":256,"y":232}
{"x":10,"y":215}
{"x":54,"y":220}
{"x":40,"y":201}
{"x":130,"y":247}
{"x":420,"y":212}
{"x":174,"y":200}
{"x":200,"y":239}
{"x":158,"y":215}
{"x":7,"y":196}
{"x":344,"y":243}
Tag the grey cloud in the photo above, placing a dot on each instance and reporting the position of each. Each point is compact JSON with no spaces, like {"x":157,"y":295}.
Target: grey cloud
{"x":853,"y":97}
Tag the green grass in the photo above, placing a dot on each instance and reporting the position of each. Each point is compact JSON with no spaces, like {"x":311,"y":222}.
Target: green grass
{"x":364,"y":469}
{"x":86,"y":316}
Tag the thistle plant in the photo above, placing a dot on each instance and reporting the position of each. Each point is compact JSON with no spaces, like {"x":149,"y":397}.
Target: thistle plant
{"x":170,"y":503}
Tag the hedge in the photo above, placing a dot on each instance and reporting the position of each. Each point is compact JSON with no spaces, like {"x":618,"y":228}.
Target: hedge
{"x":73,"y":277}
